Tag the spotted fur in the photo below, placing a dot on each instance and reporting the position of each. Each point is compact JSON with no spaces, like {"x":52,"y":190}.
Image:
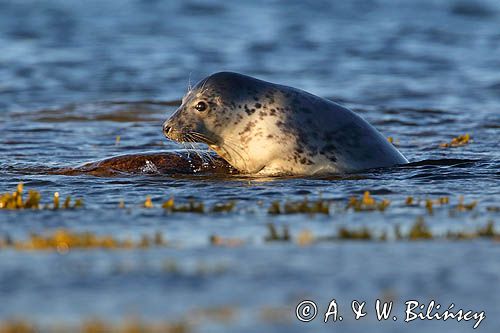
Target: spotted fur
{"x":265,"y":128}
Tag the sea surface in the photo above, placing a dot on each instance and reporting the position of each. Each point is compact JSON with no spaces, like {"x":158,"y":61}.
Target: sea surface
{"x":82,"y":81}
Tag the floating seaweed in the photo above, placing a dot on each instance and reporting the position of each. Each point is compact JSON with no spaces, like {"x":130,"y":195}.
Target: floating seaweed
{"x":63,"y":240}
{"x":443,"y":200}
{"x":191,"y":207}
{"x":300,"y":207}
{"x":224,"y":207}
{"x":18,"y":326}
{"x":147,"y":241}
{"x":362,"y":234}
{"x":15,"y":200}
{"x":409,"y":201}
{"x":197,"y":207}
{"x":274,"y":235}
{"x":56,"y":200}
{"x":488,"y":231}
{"x":398,"y":235}
{"x":462,"y":207}
{"x":429,"y":206}
{"x":229,"y":242}
{"x":393,"y":141}
{"x":461,"y":235}
{"x":275,"y":208}
{"x":458,"y":141}
{"x":420,"y":230}
{"x":429,"y":203}
{"x":97,"y":326}
{"x":169,"y":204}
{"x":148,"y":203}
{"x":367,"y":203}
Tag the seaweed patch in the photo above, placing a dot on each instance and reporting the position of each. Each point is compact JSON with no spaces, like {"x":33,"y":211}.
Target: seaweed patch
{"x":367,"y":203}
{"x":458,"y":141}
{"x":15,"y":201}
{"x":63,"y":240}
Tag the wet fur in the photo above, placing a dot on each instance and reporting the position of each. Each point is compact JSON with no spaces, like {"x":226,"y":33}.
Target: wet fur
{"x":265,"y":128}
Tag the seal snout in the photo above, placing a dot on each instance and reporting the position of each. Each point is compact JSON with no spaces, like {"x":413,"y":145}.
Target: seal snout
{"x":166,"y":129}
{"x":172,"y":130}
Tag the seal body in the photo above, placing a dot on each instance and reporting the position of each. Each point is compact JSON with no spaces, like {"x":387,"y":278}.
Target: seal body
{"x":269,"y":129}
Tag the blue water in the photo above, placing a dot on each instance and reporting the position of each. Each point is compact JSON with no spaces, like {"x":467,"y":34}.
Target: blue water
{"x":74,"y":75}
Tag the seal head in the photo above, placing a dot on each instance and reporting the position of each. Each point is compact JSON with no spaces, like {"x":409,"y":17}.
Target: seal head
{"x":263,"y":128}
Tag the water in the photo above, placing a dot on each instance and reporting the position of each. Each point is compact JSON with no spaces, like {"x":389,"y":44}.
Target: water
{"x":75,"y":75}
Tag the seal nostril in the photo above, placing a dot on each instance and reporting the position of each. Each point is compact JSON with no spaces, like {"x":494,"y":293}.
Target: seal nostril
{"x":167,"y":129}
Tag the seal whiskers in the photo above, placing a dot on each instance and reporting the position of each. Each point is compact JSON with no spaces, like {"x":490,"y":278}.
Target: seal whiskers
{"x":191,"y":140}
{"x":199,"y":137}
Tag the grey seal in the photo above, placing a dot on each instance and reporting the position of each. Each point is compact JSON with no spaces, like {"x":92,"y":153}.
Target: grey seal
{"x":262,"y":128}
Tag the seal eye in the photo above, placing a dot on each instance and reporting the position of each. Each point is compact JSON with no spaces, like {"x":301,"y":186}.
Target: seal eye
{"x":201,"y":106}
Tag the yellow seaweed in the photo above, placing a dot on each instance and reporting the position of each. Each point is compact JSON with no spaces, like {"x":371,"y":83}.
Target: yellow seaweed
{"x":300,"y":207}
{"x":190,"y":207}
{"x":461,"y":206}
{"x":367,"y":203}
{"x":97,"y":326}
{"x":148,"y":203}
{"x":63,"y":240}
{"x":224,"y":207}
{"x":458,"y":141}
{"x":33,"y":201}
{"x":420,"y":231}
